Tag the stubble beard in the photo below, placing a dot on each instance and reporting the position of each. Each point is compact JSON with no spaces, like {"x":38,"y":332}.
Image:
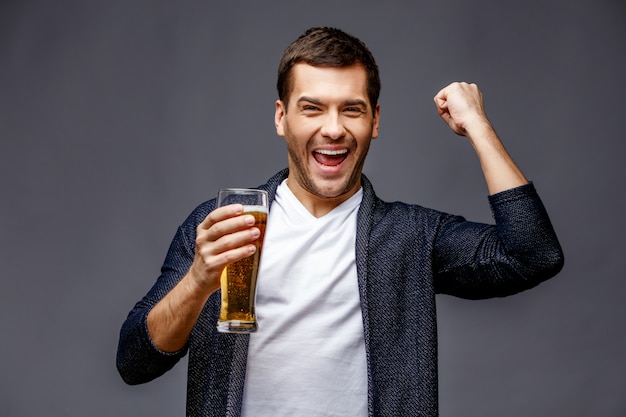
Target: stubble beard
{"x":336,"y":187}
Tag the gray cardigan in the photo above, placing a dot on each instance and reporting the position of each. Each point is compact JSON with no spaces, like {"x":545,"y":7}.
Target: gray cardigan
{"x":405,"y":255}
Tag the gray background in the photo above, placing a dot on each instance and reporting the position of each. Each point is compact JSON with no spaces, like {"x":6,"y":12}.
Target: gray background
{"x":118,"y":117}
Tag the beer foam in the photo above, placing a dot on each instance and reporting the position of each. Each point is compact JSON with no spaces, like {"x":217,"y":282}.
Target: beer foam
{"x":250,"y":209}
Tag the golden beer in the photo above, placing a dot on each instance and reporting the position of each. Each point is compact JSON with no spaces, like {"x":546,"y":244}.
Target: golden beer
{"x":238,"y":284}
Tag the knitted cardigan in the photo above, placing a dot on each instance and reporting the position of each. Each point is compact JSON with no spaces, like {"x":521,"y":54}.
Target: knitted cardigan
{"x":405,"y":254}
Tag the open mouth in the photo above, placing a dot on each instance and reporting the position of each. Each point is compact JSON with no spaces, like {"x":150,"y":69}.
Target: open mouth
{"x":330,"y":157}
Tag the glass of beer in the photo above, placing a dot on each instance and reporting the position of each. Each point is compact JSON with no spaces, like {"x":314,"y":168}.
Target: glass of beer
{"x":238,"y":280}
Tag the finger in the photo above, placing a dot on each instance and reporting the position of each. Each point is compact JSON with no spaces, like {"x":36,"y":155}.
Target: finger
{"x":234,"y":240}
{"x":209,"y":265}
{"x":445,"y":116}
{"x":226,"y":227}
{"x":216,"y":263}
{"x":441,"y":96}
{"x":441,"y":103}
{"x":238,"y":252}
{"x":235,"y":255}
{"x":229,"y":248}
{"x":220,"y":214}
{"x":442,"y":106}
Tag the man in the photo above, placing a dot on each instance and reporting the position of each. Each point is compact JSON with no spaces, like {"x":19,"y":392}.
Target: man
{"x":346,"y":295}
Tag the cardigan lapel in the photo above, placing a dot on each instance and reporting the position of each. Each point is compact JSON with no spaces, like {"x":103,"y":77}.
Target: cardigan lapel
{"x":364,"y":227}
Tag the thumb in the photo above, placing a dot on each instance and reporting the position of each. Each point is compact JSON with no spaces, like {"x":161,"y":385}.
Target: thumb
{"x":440,"y":101}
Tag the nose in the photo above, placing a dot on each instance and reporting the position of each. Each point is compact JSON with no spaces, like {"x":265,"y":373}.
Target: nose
{"x":333,"y":127}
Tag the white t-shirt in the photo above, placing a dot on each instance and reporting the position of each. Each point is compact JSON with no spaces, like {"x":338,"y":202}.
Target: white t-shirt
{"x":308,"y":356}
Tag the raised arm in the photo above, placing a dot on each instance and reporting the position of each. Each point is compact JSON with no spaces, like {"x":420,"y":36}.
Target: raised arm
{"x":461,"y":106}
{"x":521,"y":250}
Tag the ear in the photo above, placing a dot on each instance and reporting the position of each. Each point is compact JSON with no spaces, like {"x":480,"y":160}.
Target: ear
{"x":376,"y":122}
{"x":279,"y":117}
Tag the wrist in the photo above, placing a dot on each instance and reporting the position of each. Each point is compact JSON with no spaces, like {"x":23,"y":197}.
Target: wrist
{"x":198,"y":284}
{"x":479,"y":129}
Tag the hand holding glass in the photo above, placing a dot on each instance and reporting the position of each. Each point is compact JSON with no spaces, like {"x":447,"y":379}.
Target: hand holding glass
{"x":238,"y":280}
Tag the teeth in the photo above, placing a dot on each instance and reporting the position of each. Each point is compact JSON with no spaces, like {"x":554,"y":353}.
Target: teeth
{"x":331,"y":152}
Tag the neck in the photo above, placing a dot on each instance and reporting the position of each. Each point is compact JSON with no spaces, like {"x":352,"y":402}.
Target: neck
{"x":316,"y":204}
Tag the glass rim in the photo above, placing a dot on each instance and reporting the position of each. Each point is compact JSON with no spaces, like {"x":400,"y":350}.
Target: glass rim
{"x":241,"y":190}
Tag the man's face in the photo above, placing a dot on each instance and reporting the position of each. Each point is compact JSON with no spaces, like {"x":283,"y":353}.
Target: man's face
{"x":328,"y":126}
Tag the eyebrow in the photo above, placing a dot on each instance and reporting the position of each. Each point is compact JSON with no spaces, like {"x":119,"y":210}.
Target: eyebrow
{"x":354,"y":102}
{"x":309,"y":100}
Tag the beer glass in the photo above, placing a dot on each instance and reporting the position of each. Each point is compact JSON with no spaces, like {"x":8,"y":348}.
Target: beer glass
{"x":238,"y":280}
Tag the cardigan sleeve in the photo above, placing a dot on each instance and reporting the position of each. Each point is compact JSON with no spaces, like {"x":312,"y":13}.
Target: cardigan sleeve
{"x":474,"y":260}
{"x":138,"y":360}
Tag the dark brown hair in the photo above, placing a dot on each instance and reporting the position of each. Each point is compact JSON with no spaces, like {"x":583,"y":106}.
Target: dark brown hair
{"x":327,"y":47}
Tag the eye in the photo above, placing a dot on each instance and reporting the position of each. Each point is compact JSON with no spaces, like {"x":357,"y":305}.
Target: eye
{"x":310,"y":108}
{"x":353,"y":111}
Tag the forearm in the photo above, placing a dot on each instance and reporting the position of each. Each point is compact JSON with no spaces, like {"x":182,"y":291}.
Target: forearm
{"x":154,"y":336}
{"x":500,"y":171}
{"x":460,"y":105}
{"x":172,"y":319}
{"x":138,"y":359}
